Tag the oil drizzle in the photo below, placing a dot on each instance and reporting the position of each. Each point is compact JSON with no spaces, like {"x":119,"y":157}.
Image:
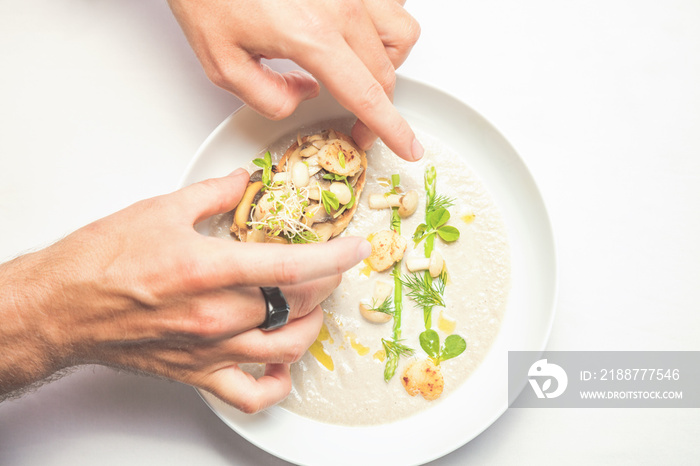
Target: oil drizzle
{"x":319,"y":352}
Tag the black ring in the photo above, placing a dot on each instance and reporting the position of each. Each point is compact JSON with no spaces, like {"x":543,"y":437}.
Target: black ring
{"x":277,"y":308}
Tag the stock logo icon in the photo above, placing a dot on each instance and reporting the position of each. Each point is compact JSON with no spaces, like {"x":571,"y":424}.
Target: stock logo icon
{"x":546,"y":372}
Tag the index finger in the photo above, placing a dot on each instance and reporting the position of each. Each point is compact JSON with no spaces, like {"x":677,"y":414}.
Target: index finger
{"x":267,"y":264}
{"x":353,"y":85}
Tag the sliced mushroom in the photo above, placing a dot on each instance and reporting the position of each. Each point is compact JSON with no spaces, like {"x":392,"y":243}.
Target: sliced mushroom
{"x":324,"y":231}
{"x":313,"y":166}
{"x":256,"y":176}
{"x":315,"y":213}
{"x":434,"y":264}
{"x":264,"y":206}
{"x":255,"y":235}
{"x":308,"y":149}
{"x":353,"y":179}
{"x":242,"y":214}
{"x":388,"y":247}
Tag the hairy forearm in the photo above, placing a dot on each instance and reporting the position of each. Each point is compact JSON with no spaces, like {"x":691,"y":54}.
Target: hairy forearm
{"x":29,"y":337}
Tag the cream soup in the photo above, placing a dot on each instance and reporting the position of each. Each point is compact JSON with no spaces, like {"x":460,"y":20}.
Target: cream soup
{"x":340,"y":380}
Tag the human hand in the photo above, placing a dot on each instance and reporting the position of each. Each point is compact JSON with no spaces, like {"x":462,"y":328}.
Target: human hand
{"x":143,"y":291}
{"x":352,"y":46}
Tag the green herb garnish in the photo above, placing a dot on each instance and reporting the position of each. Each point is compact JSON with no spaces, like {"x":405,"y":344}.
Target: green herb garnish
{"x":394,"y":349}
{"x":423,"y":290}
{"x":436,"y":224}
{"x":341,"y":159}
{"x":430,"y":342}
{"x":330,"y":201}
{"x":384,"y":307}
{"x":335,"y":177}
{"x":436,"y":218}
{"x":266,"y":164}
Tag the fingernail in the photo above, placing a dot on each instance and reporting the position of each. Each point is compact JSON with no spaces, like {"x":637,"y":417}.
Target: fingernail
{"x":417,"y":150}
{"x":363,"y":250}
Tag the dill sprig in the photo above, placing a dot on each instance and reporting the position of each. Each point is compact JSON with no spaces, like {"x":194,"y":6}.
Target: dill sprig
{"x":384,"y":307}
{"x":440,"y":202}
{"x":424,"y":291}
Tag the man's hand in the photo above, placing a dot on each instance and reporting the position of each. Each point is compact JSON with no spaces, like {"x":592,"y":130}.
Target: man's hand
{"x":352,"y":46}
{"x":142,"y":290}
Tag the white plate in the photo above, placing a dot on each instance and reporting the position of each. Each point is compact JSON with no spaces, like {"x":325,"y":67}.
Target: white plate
{"x":475,"y":405}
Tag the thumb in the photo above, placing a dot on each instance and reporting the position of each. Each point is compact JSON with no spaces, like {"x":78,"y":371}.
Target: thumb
{"x":274,"y":95}
{"x":201,"y":200}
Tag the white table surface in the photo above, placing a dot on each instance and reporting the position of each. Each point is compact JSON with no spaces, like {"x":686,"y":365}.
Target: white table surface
{"x":103,"y":104}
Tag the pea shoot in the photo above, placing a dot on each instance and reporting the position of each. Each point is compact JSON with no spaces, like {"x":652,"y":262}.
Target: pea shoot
{"x":430,"y":342}
{"x":266,"y":164}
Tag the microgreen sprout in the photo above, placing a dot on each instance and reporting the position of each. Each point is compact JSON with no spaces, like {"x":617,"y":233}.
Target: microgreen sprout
{"x":266,"y":164}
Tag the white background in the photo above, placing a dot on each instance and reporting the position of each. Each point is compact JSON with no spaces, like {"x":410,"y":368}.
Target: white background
{"x":102,"y":103}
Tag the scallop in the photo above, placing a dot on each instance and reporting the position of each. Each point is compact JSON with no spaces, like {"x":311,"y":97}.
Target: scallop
{"x":339,"y":157}
{"x":387,"y":247}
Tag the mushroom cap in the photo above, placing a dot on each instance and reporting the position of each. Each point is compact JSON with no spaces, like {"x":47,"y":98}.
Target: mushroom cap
{"x":375,"y":317}
{"x":408,"y":204}
{"x":436,"y":264}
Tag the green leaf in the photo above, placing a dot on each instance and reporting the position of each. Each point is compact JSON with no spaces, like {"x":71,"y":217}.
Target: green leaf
{"x":268,"y":158}
{"x":418,"y":234}
{"x":341,"y":159}
{"x":352,"y":194}
{"x":430,"y":342}
{"x":448,"y":233}
{"x":260,"y":163}
{"x":438,"y":218}
{"x":330,"y":201}
{"x":454,"y":346}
